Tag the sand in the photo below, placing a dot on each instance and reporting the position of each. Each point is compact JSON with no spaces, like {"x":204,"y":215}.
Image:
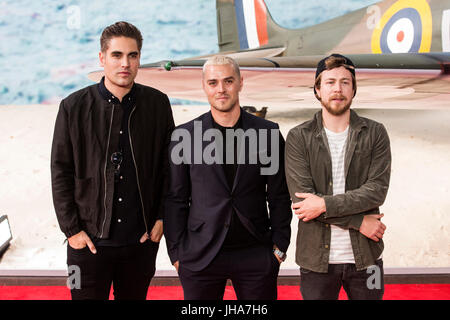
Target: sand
{"x":416,"y":209}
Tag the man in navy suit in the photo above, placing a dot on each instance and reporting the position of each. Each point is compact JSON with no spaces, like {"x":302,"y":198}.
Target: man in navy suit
{"x":228,"y":210}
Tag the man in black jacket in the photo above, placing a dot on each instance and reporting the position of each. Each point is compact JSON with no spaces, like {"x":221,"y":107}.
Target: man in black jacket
{"x":109,"y":173}
{"x":228,"y":209}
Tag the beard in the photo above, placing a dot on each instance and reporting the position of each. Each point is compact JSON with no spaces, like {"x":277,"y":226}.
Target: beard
{"x":337,"y":110}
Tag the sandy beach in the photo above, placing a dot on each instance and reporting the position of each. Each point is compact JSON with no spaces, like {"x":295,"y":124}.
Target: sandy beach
{"x":416,"y":209}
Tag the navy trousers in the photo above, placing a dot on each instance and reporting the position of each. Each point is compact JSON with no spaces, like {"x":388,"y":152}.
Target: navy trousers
{"x":253,"y":272}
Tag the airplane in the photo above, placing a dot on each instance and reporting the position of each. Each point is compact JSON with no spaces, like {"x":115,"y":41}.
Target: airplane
{"x":401,"y":49}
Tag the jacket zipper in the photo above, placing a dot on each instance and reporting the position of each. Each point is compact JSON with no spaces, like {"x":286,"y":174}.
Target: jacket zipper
{"x":106,"y":163}
{"x":135,"y":167}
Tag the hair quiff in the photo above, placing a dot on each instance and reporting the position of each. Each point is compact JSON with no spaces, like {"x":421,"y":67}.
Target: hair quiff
{"x":120,"y":29}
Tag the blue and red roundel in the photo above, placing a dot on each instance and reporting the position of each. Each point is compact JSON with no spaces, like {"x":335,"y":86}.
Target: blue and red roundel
{"x":405,"y":27}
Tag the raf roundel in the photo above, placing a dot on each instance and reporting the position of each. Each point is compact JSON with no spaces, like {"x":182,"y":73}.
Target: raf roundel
{"x":405,"y":27}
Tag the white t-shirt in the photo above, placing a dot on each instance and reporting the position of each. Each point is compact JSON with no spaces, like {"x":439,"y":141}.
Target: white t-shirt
{"x":341,"y":247}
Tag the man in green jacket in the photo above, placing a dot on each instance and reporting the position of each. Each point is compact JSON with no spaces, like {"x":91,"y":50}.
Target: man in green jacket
{"x":338,"y":169}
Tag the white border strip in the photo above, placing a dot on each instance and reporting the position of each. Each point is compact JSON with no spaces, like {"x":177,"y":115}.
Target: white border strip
{"x":445,"y":31}
{"x":173,"y":273}
{"x":250,"y":23}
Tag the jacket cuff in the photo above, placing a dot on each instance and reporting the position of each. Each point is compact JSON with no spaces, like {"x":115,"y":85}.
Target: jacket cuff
{"x":330,"y":207}
{"x":356,"y":221}
{"x":72,"y":232}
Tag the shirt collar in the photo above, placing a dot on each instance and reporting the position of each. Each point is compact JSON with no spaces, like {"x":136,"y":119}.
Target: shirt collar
{"x":108,"y":96}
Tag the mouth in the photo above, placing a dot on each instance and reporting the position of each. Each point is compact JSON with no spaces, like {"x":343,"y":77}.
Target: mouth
{"x":338,"y":99}
{"x":124,"y":74}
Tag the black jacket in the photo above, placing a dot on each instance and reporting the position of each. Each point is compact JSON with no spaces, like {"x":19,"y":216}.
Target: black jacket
{"x":86,"y":131}
{"x":200,"y":202}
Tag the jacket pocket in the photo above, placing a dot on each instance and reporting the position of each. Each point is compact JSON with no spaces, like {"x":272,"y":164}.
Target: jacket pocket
{"x":195,"y":224}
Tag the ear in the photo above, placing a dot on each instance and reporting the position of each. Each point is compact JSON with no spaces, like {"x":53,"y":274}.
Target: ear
{"x":318,"y":93}
{"x":242,"y":83}
{"x":101,"y":58}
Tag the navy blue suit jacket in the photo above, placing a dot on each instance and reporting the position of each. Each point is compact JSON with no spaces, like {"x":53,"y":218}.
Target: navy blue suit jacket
{"x":200,"y":202}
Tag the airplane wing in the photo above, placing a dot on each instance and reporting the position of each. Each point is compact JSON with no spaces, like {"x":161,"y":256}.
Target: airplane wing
{"x":399,"y":81}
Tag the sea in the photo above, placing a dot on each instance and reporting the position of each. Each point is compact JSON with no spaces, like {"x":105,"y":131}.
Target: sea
{"x":48,"y":47}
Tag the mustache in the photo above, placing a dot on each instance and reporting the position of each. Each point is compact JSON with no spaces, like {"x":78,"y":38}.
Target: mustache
{"x":338,"y":96}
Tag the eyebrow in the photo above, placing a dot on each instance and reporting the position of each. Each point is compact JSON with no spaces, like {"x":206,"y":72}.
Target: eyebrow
{"x":331,"y":78}
{"x":228,"y":78}
{"x":120,"y":52}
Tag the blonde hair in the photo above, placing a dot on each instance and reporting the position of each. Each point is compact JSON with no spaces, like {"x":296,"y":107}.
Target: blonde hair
{"x":219,"y":60}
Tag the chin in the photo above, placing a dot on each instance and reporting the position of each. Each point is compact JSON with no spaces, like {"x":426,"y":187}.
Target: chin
{"x":337,"y":110}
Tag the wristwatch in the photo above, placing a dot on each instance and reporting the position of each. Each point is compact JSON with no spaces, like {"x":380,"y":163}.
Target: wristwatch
{"x":280,"y":254}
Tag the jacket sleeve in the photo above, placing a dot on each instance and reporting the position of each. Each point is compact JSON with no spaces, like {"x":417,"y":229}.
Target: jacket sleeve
{"x":278,"y":200}
{"x":165,"y":160}
{"x":63,"y":176}
{"x":373,"y":192}
{"x":177,"y":204}
{"x":299,"y":179}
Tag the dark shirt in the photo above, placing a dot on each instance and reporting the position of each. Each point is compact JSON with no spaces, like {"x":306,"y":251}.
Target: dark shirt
{"x":238,"y":236}
{"x":127,"y":223}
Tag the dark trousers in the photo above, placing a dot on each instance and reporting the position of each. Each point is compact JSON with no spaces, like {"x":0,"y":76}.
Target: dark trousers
{"x":129,"y":269}
{"x":253,"y":272}
{"x":359,"y":285}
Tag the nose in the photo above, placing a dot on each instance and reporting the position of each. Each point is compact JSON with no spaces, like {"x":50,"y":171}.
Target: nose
{"x":221,"y":86}
{"x":337,"y":87}
{"x":125,"y":61}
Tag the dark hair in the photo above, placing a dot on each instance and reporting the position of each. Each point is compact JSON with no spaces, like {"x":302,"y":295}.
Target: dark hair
{"x":120,"y":29}
{"x":332,"y":62}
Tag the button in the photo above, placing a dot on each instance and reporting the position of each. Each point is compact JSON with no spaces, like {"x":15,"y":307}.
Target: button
{"x":331,"y":183}
{"x":121,"y":132}
{"x":109,"y":100}
{"x":327,"y":225}
{"x":120,"y":199}
{"x":119,"y":220}
{"x":121,"y":177}
{"x":326,"y":246}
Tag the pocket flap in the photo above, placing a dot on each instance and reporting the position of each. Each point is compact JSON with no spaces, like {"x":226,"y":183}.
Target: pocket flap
{"x":195,"y":224}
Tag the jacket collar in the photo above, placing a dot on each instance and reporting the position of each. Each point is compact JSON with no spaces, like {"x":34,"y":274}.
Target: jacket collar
{"x":356,"y":122}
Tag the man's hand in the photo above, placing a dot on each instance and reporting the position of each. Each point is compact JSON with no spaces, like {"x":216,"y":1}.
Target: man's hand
{"x":157,"y":231}
{"x":310,"y":208}
{"x":176,"y":265}
{"x":372,"y":227}
{"x":81,"y":240}
{"x":278,"y":258}
{"x":155,"y":234}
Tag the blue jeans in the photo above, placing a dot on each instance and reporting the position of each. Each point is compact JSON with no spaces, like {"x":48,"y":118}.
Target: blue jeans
{"x":359,"y":285}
